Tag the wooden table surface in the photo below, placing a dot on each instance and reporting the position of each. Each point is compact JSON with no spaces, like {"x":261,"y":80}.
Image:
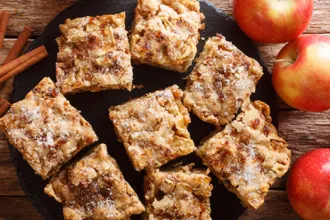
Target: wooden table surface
{"x":303,"y":131}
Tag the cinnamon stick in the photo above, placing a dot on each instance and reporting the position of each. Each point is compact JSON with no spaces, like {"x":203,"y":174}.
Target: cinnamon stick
{"x":22,"y":59}
{"x":1,"y":14}
{"x":19,"y":44}
{"x":4,"y":106}
{"x":3,"y":25}
{"x":32,"y":59}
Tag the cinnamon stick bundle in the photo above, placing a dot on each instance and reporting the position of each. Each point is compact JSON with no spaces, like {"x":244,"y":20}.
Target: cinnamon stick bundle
{"x":19,"y":44}
{"x":22,"y":63}
{"x":3,"y":25}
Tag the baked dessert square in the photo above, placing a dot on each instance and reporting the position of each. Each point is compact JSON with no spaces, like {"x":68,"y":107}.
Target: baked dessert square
{"x":165,"y":33}
{"x":182,"y":193}
{"x":153,"y":128}
{"x":94,"y":54}
{"x":46,"y":129}
{"x":222,"y":80}
{"x":248,"y":155}
{"x":94,"y":188}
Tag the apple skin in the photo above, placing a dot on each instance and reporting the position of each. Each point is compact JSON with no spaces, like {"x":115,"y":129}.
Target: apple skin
{"x":308,"y":185}
{"x":273,"y":21}
{"x":301,"y":74}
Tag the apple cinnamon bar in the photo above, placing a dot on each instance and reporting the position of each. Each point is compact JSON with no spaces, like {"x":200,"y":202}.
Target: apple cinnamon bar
{"x":94,"y":54}
{"x":222,"y":80}
{"x":46,"y":129}
{"x":94,"y":188}
{"x":153,"y":128}
{"x":248,"y":155}
{"x":181,"y":193}
{"x":165,"y":33}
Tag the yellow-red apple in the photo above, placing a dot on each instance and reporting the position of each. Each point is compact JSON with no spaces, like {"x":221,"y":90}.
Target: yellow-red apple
{"x":301,"y":74}
{"x":308,"y":185}
{"x":273,"y":21}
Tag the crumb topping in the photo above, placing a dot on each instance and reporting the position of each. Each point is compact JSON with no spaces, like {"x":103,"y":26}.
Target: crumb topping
{"x":46,"y":129}
{"x":222,"y":80}
{"x":165,"y":33}
{"x":181,"y":193}
{"x":94,"y":188}
{"x":248,"y":155}
{"x":153,"y":128}
{"x":94,"y":54}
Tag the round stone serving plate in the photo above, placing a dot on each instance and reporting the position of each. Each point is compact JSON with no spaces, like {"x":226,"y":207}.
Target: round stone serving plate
{"x":94,"y":106}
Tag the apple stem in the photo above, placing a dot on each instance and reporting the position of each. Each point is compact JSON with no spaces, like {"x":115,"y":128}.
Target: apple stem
{"x":284,"y":60}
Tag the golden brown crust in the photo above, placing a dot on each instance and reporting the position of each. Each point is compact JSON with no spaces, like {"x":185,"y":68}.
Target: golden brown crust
{"x":248,"y":155}
{"x":46,"y":129}
{"x":222,"y":80}
{"x":165,"y":33}
{"x":94,"y":54}
{"x":182,"y":193}
{"x":94,"y":188}
{"x":153,"y":128}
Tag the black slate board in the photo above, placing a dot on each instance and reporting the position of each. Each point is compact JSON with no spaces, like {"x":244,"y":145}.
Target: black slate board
{"x":225,"y":205}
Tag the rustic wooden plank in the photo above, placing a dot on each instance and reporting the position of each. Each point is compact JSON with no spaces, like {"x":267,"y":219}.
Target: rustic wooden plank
{"x":7,"y":45}
{"x":9,"y":182}
{"x":6,"y":90}
{"x":17,"y":208}
{"x":35,"y":13}
{"x":38,"y":14}
{"x":276,"y":207}
{"x":302,"y":128}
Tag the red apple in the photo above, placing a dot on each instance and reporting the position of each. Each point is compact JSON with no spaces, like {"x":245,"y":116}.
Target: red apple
{"x":273,"y":21}
{"x":301,"y":74}
{"x":308,"y":185}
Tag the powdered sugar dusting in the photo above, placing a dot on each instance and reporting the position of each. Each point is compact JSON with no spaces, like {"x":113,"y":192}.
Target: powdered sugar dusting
{"x":62,"y":126}
{"x":110,"y":206}
{"x":243,"y":83}
{"x":249,"y":175}
{"x":17,"y":133}
{"x":47,"y":139}
{"x":31,"y":113}
{"x":250,"y":168}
